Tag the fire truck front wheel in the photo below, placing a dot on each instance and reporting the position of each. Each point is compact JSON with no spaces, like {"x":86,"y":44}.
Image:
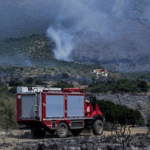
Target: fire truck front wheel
{"x":62,"y":130}
{"x":98,"y":127}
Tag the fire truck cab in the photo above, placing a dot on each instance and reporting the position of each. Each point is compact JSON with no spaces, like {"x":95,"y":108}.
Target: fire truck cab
{"x":58,"y":111}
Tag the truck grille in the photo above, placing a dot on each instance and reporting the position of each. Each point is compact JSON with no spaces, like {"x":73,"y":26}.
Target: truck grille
{"x":77,"y":124}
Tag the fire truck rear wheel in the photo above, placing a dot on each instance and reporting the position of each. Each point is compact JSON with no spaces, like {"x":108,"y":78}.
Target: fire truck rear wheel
{"x":98,"y":127}
{"x":76,"y":132}
{"x":62,"y":130}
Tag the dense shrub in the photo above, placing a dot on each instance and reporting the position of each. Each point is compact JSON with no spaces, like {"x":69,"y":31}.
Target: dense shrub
{"x":63,"y":85}
{"x":15,"y":83}
{"x":38,"y":81}
{"x":12,"y":83}
{"x":117,"y":113}
{"x":121,"y":86}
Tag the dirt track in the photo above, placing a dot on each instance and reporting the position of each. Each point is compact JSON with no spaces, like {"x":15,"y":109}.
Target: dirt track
{"x":26,"y":137}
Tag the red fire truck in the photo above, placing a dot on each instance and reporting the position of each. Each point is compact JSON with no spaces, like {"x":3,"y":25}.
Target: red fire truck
{"x":58,"y":111}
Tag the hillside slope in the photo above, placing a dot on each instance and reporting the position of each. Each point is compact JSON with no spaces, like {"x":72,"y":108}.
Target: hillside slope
{"x":37,"y":50}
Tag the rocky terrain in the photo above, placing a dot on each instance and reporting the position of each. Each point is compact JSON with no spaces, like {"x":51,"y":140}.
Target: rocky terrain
{"x":113,"y":142}
{"x":110,"y":140}
{"x":137,"y":142}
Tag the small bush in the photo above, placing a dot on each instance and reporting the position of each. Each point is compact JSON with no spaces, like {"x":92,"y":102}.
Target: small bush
{"x":65,"y":75}
{"x":143,"y":86}
{"x":19,"y":83}
{"x":28,"y":80}
{"x":148,"y":123}
{"x":13,"y":90}
{"x":63,"y":85}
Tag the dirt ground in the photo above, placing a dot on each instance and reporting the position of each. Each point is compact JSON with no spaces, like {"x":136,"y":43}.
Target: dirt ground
{"x":26,"y":136}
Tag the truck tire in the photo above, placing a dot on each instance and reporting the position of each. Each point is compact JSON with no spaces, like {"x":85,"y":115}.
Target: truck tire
{"x":76,"y":132}
{"x":62,"y":130}
{"x":37,"y":133}
{"x":97,"y":127}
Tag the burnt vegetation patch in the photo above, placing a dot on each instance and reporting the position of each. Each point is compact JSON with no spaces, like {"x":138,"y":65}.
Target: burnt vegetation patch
{"x":114,"y":142}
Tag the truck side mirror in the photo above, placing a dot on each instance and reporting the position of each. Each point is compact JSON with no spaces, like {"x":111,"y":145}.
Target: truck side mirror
{"x":94,"y":99}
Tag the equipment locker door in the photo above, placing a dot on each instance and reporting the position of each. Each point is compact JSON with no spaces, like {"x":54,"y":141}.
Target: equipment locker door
{"x":54,"y":106}
{"x":28,"y":106}
{"x":75,"y":105}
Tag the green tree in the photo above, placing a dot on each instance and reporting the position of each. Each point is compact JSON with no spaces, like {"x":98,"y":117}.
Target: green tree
{"x":143,"y":86}
{"x":28,"y":80}
{"x":18,"y":83}
{"x":12,"y":83}
{"x":38,"y":81}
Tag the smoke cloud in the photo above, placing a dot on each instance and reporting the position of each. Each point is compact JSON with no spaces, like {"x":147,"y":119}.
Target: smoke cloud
{"x":100,"y":30}
{"x":64,"y":43}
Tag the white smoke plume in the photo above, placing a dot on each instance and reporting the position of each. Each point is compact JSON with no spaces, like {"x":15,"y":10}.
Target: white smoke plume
{"x":63,"y":41}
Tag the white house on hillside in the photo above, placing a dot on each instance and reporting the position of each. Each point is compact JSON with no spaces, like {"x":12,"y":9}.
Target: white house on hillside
{"x":101,"y":72}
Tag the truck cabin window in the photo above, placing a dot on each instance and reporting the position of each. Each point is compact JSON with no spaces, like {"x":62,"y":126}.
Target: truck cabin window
{"x":90,"y":98}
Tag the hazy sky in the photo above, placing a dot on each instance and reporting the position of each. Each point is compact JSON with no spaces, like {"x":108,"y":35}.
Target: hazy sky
{"x":119,"y":27}
{"x":107,"y":17}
